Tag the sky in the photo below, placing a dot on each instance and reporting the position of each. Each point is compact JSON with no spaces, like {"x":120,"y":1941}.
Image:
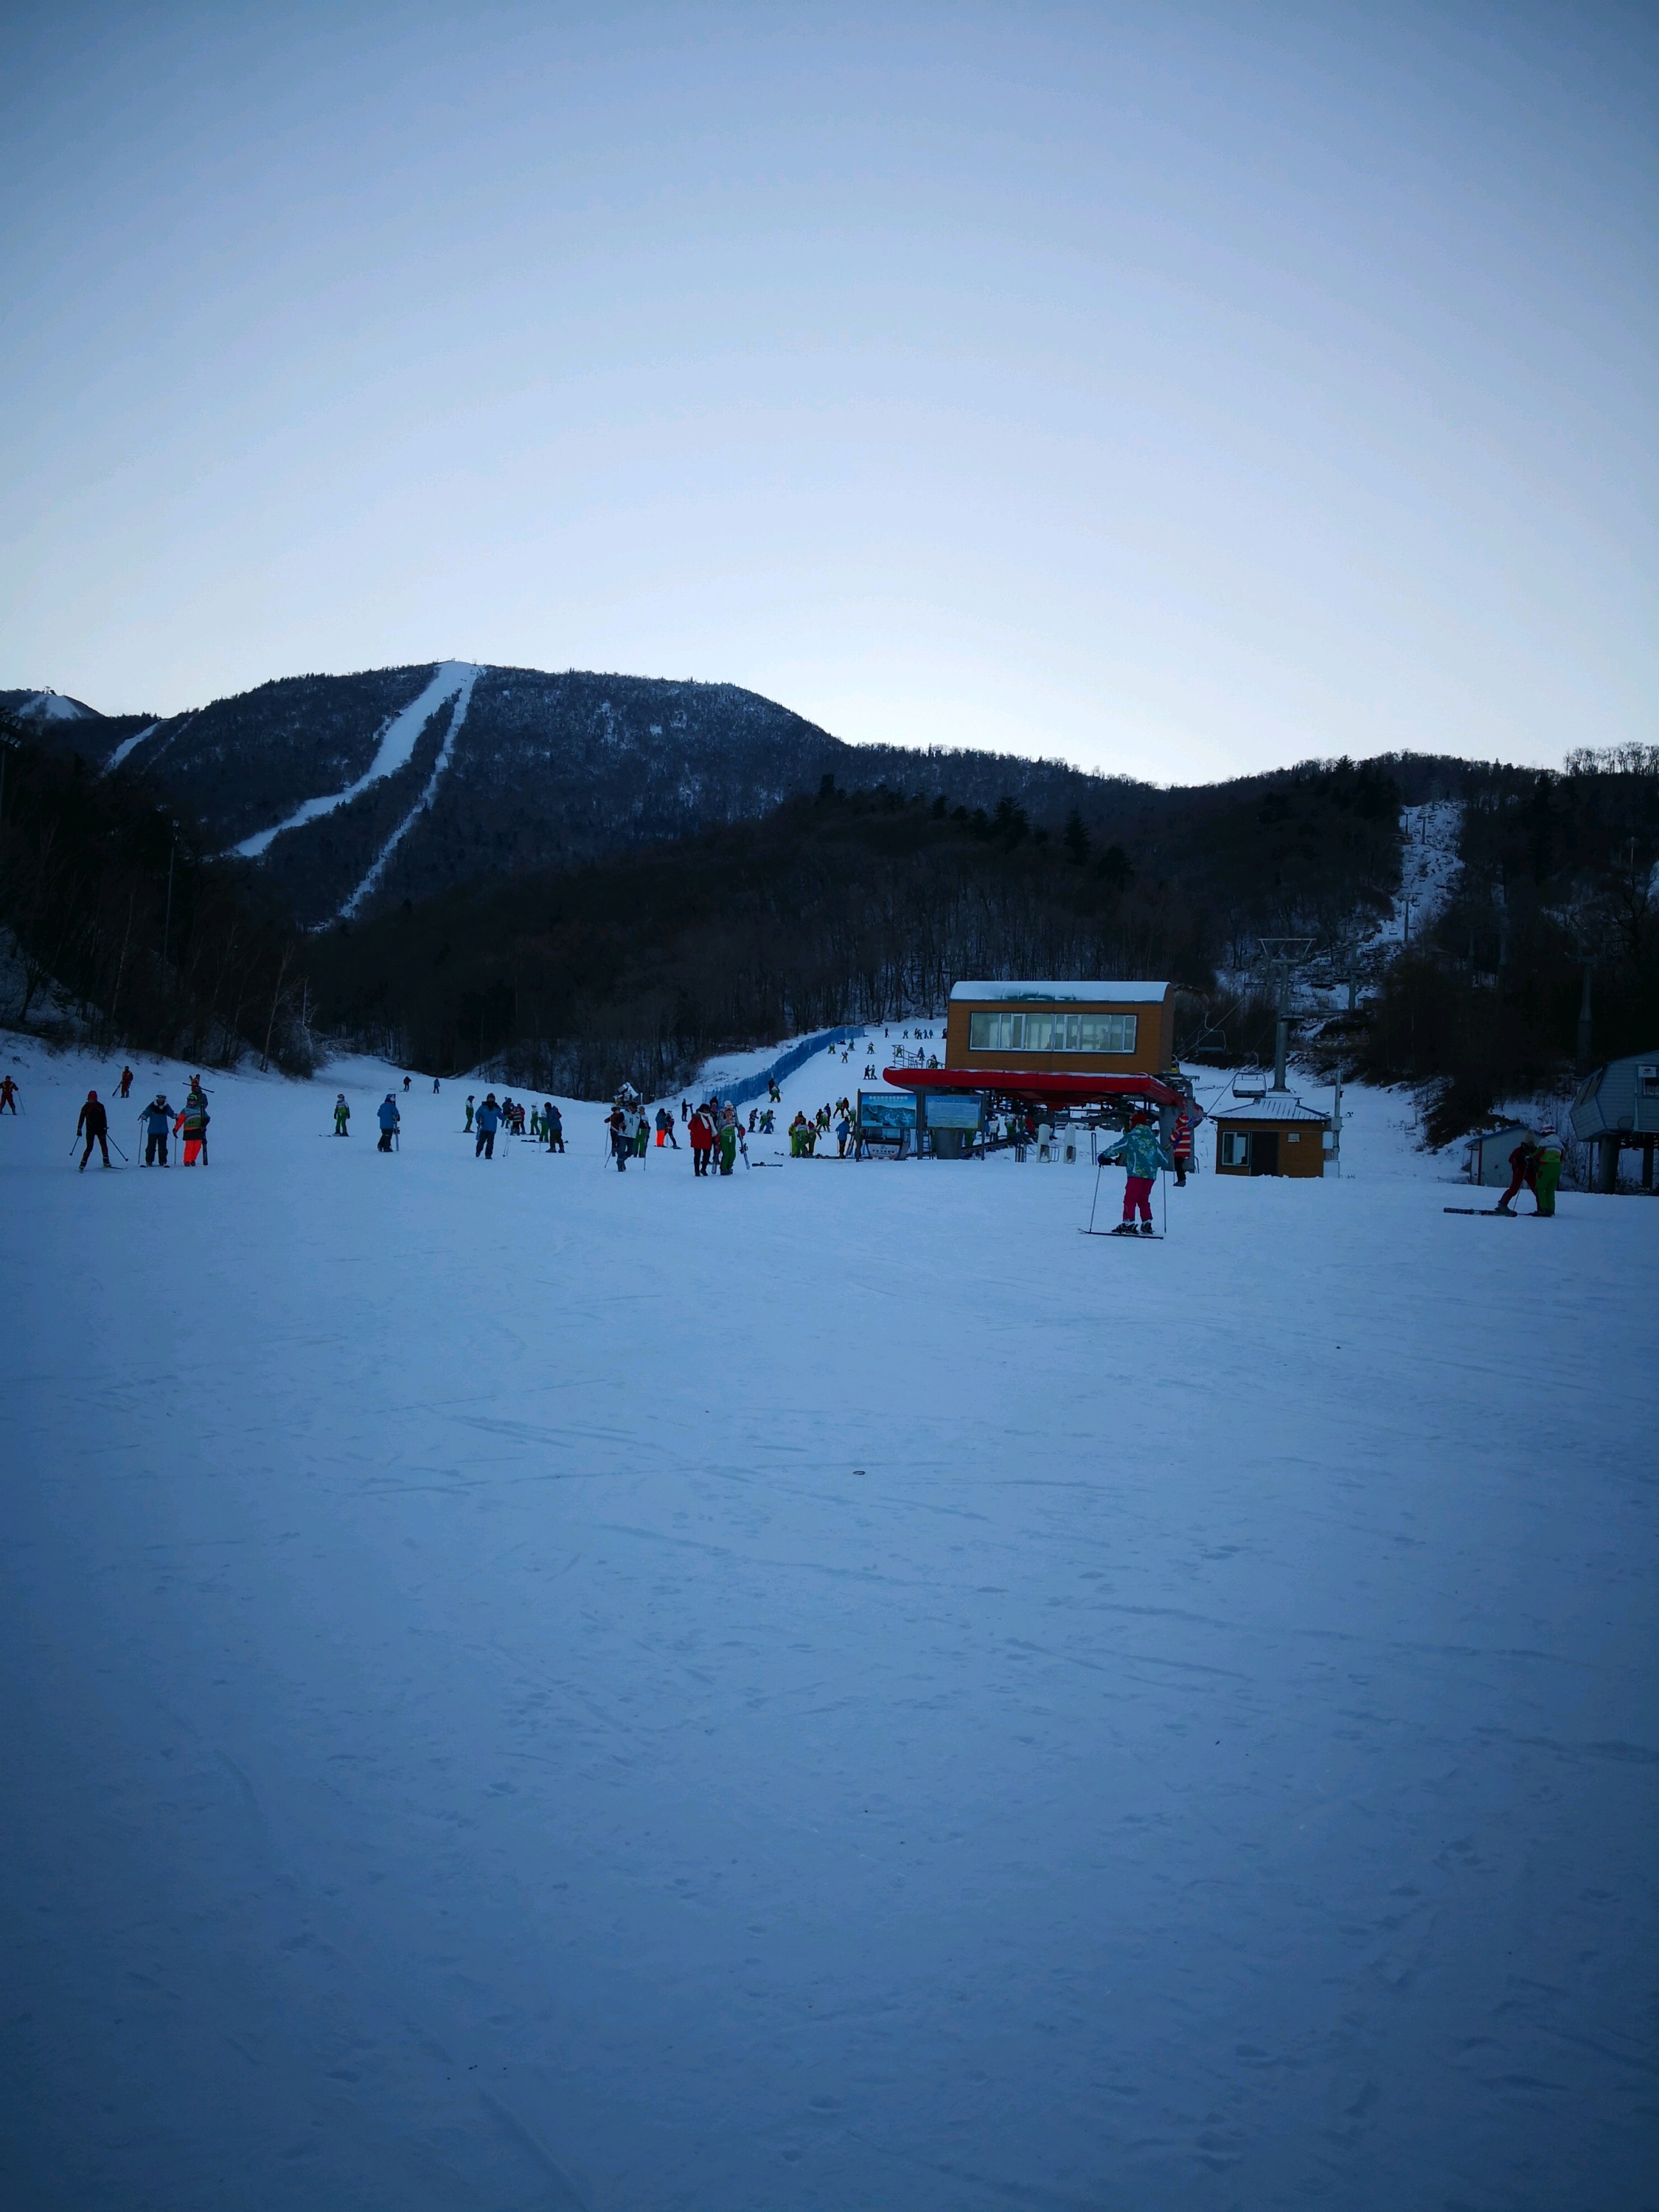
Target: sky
{"x":1178,"y":391}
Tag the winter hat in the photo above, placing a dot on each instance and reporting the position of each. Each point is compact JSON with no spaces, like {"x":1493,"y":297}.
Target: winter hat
{"x":91,"y":1095}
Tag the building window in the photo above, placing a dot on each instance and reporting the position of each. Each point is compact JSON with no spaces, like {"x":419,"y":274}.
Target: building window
{"x":1647,"y":1082}
{"x":1235,"y":1148}
{"x":1033,"y":1032}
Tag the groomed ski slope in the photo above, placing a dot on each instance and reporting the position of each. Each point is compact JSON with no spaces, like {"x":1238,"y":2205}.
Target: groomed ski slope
{"x":530,"y":1687}
{"x":394,"y":749}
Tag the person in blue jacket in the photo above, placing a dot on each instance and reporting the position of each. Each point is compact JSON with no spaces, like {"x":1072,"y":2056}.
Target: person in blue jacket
{"x":485,"y":1123}
{"x":1142,"y":1155}
{"x":388,"y":1117}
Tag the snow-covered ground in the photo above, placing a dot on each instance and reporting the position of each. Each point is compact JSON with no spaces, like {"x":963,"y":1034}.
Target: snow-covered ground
{"x":531,"y":1687}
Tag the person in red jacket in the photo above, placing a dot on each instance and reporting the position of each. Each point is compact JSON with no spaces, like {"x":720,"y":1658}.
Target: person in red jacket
{"x":701,"y":1134}
{"x":94,"y":1123}
{"x":126,"y":1082}
{"x":8,"y":1097}
{"x":1523,"y":1168}
{"x":1181,"y":1147}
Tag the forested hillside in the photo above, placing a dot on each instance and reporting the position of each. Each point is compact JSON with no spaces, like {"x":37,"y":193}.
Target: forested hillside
{"x":847,"y":907}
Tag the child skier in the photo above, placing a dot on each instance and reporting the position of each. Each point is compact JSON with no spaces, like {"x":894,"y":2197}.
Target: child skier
{"x":1142,"y":1156}
{"x":342,"y":1115}
{"x":155,"y":1120}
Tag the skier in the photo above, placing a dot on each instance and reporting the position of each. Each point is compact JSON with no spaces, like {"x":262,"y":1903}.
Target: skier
{"x":155,"y":1120}
{"x":406,"y":1082}
{"x":95,"y":1124}
{"x":1142,"y":1156}
{"x":621,"y":1142}
{"x":469,"y":1114}
{"x":388,"y":1115}
{"x":341,"y":1114}
{"x":641,"y":1134}
{"x":728,"y":1140}
{"x":193,"y":1123}
{"x":1549,"y":1167}
{"x":488,"y":1121}
{"x":664,"y":1127}
{"x":434,"y":1087}
{"x":8,"y":1097}
{"x":126,"y":1082}
{"x":1181,"y":1147}
{"x":1523,"y":1168}
{"x":553,"y":1127}
{"x":844,"y":1131}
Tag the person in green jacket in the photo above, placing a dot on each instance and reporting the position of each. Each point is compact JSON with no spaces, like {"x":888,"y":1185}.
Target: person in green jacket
{"x":1143,"y":1155}
{"x":342,"y":1115}
{"x":1549,"y":1169}
{"x":728,"y":1142}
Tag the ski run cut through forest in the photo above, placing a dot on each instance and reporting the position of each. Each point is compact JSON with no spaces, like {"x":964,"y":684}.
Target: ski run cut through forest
{"x":534,"y":1687}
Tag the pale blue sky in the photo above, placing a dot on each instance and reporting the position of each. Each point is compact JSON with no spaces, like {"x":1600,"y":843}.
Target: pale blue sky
{"x":1178,"y":391}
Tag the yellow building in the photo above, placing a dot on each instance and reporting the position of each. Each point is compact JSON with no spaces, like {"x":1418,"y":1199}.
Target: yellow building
{"x":1273,"y":1135}
{"x":1062,"y":1028}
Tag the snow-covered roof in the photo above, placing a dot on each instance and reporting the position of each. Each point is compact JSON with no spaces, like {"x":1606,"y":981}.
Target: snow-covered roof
{"x":1135,"y":995}
{"x":1275,"y":1107}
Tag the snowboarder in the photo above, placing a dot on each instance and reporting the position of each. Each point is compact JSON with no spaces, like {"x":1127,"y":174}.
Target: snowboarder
{"x":1549,"y":1167}
{"x":388,"y":1115}
{"x":469,"y":1112}
{"x":155,"y":1120}
{"x":487,"y":1122}
{"x":8,"y":1097}
{"x":553,"y":1127}
{"x":703,"y":1142}
{"x":126,"y":1082}
{"x":1142,"y":1156}
{"x":94,"y":1122}
{"x":1523,"y":1168}
{"x":1181,"y":1147}
{"x":341,"y":1114}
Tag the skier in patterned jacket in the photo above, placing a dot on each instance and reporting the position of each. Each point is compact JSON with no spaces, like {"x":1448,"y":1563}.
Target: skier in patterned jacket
{"x":1142,"y":1155}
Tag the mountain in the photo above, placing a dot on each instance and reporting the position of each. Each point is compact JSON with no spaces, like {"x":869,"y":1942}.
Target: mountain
{"x":352,"y":793}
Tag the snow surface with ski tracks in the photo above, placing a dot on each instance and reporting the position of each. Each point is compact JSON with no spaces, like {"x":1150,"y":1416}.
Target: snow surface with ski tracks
{"x":531,"y":1687}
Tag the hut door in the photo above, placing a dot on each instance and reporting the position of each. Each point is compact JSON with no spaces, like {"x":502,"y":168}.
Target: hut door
{"x":1264,"y":1151}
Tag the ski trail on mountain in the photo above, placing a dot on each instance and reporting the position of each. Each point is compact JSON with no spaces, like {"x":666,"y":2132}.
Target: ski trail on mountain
{"x":395,"y":749}
{"x":129,"y":745}
{"x":458,"y":715}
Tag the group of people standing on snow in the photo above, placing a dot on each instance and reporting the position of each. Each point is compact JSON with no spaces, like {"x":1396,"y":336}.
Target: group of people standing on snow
{"x":158,"y":1120}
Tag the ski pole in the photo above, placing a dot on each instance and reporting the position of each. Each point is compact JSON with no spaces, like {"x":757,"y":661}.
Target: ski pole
{"x":1094,"y":1201}
{"x":118,"y":1150}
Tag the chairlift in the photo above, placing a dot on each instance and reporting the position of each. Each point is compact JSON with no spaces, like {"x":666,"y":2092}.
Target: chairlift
{"x":1251,"y":1083}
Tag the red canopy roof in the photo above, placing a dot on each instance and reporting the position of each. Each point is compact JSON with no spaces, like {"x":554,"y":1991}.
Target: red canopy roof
{"x":1040,"y":1084}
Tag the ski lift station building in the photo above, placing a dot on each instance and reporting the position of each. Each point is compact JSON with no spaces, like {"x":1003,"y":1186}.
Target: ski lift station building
{"x":1272,"y":1134}
{"x":1059,"y":1029}
{"x":1616,"y":1106}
